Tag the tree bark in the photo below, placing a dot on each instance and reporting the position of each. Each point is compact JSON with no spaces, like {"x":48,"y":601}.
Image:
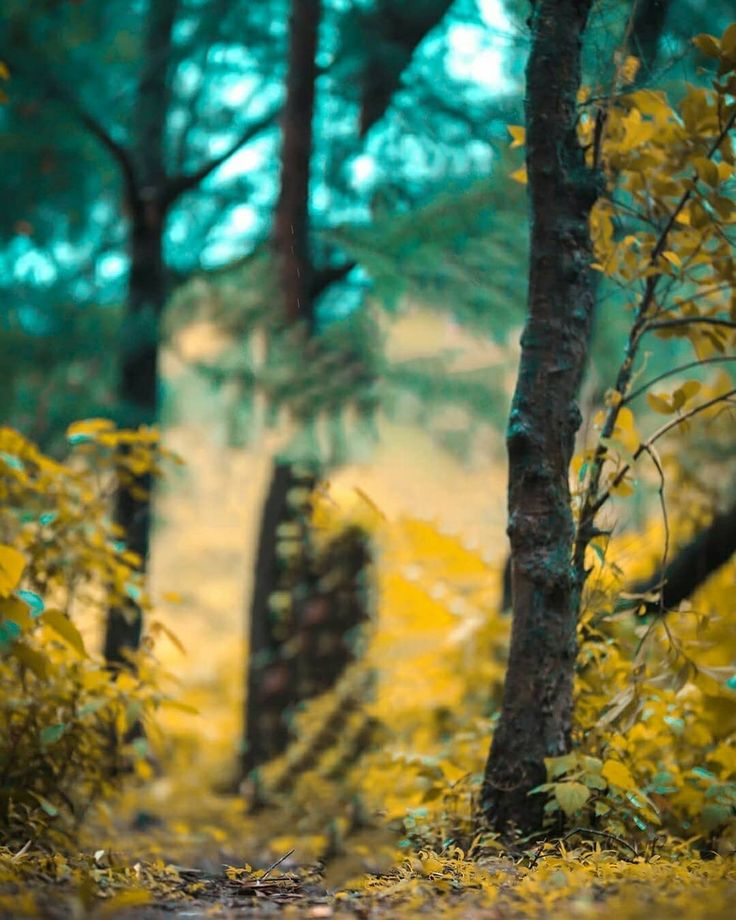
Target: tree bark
{"x":147,"y":293}
{"x":536,"y":715}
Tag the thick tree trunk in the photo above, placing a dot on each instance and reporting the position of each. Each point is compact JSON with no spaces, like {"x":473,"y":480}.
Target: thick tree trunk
{"x":536,"y":715}
{"x":327,"y":619}
{"x":147,"y":292}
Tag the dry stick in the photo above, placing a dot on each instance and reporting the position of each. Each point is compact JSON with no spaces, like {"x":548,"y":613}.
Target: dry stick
{"x":590,"y":504}
{"x":273,"y":865}
{"x":606,"y":834}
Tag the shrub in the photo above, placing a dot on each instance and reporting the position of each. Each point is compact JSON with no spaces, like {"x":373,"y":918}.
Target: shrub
{"x":61,"y":557}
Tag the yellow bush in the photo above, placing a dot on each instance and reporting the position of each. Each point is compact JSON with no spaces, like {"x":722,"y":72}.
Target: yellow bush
{"x":60,"y":554}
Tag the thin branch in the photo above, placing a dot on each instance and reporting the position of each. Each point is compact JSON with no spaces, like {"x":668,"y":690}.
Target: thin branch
{"x":596,"y":833}
{"x":177,"y":185}
{"x":656,"y":461}
{"x":673,"y":372}
{"x":689,"y":321}
{"x":591,"y":504}
{"x":645,"y":445}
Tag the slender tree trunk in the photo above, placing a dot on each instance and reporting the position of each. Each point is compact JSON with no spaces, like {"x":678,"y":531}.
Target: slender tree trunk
{"x":271,"y":679}
{"x":646,"y":27}
{"x":537,"y":709}
{"x":147,"y":293}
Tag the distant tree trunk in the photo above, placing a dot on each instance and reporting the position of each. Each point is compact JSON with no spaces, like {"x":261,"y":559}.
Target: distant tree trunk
{"x":709,"y":549}
{"x":326,"y":620}
{"x":271,"y":680}
{"x":271,"y":674}
{"x":147,"y":293}
{"x":536,"y":715}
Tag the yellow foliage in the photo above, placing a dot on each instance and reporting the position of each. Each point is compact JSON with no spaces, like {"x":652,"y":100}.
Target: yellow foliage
{"x":58,"y":704}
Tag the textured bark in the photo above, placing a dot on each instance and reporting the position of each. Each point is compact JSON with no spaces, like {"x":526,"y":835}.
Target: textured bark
{"x":694,"y":563}
{"x":536,"y":715}
{"x":147,"y":293}
{"x":647,"y":26}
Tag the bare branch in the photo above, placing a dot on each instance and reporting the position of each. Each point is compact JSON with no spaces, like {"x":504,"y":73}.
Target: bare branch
{"x":691,"y":320}
{"x":177,"y":185}
{"x":673,"y":372}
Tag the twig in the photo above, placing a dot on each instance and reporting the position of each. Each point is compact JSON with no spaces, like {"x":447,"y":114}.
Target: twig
{"x":606,"y":834}
{"x":673,"y":372}
{"x":656,"y":461}
{"x":645,"y":445}
{"x":690,"y":320}
{"x":275,"y":864}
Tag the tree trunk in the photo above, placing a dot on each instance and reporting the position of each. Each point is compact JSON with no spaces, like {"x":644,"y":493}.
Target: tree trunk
{"x":147,"y":292}
{"x":271,"y":679}
{"x":326,"y":620}
{"x":647,"y":25}
{"x":536,"y":715}
{"x":272,"y":662}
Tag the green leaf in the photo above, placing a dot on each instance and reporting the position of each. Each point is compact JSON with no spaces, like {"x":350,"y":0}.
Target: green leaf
{"x":571,"y":797}
{"x":52,"y":733}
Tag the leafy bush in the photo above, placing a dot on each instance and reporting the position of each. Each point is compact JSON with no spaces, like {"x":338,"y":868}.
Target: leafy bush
{"x":61,"y":557}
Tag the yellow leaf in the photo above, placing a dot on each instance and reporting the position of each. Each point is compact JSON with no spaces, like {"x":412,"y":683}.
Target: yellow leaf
{"x":63,"y":626}
{"x":4,"y":72}
{"x":519,"y":175}
{"x":673,"y":258}
{"x":707,"y":171}
{"x":618,"y":774}
{"x":89,"y":427}
{"x":518,"y":133}
{"x":660,"y":403}
{"x":682,"y":394}
{"x":629,"y":69}
{"x":12,"y":563}
{"x":707,"y":44}
{"x":728,"y":41}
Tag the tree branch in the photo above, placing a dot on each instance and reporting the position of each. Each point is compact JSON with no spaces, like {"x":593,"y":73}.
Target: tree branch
{"x":646,"y":445}
{"x":177,"y":185}
{"x":325,"y":277}
{"x":709,"y":549}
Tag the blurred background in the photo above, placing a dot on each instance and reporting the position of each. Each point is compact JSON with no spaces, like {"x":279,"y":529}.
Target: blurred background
{"x":290,"y":234}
